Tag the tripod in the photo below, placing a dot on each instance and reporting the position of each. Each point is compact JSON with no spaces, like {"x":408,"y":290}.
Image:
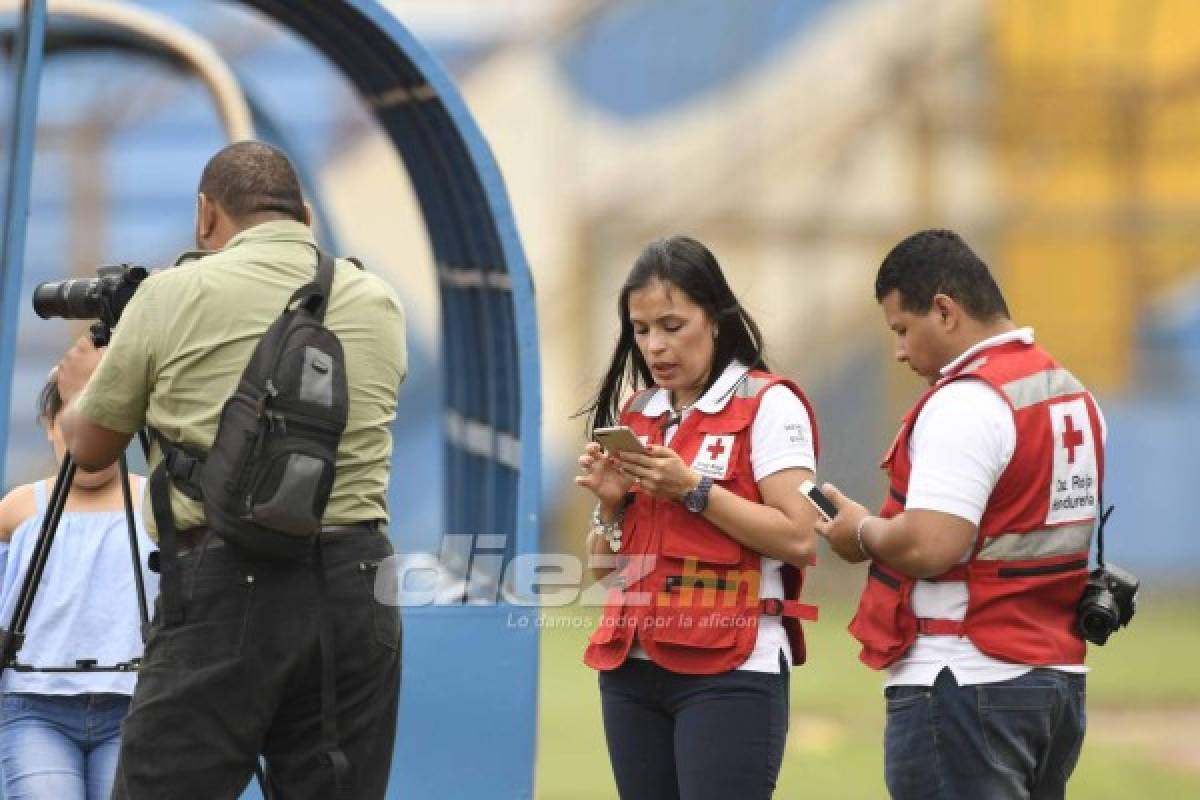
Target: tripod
{"x":12,"y":637}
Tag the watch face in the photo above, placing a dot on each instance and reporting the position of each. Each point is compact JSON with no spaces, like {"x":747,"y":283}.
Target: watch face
{"x":697,"y":499}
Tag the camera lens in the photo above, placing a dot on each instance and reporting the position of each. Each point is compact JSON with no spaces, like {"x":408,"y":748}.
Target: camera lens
{"x":1096,"y":625}
{"x":1098,"y":617}
{"x":73,"y":299}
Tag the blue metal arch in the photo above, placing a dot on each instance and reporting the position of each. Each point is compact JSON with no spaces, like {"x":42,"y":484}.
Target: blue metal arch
{"x":94,"y":37}
{"x":31,"y":36}
{"x":476,"y":672}
{"x":470,"y":672}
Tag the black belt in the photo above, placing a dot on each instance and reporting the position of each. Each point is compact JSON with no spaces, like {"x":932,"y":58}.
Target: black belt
{"x":195,"y":537}
{"x":374,"y":526}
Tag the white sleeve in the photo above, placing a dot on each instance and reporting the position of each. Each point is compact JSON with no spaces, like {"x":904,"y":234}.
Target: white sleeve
{"x":781,"y":436}
{"x":1103,"y":421}
{"x":960,"y":445}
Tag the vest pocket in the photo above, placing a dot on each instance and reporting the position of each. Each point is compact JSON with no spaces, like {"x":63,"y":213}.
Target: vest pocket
{"x":610,"y":618}
{"x":1025,"y":611}
{"x":690,"y":537}
{"x":707,"y":545}
{"x":603,"y":633}
{"x":708,"y":629}
{"x":605,"y":630}
{"x":710,"y":612}
{"x":884,"y":622}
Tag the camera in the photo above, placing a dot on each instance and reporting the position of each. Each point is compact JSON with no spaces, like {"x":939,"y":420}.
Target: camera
{"x":1108,"y":603}
{"x":103,"y":297}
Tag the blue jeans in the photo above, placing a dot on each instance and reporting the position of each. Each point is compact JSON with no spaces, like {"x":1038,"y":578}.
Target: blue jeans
{"x":1006,"y":740}
{"x":695,"y":737}
{"x":60,"y":746}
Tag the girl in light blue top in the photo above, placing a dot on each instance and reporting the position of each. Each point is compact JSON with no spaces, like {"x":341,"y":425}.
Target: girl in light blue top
{"x":60,"y":731}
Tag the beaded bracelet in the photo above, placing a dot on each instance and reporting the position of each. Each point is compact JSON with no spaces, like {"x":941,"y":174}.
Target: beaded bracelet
{"x":611,"y":531}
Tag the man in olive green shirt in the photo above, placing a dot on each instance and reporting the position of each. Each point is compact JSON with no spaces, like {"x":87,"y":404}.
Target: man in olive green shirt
{"x":240,"y":675}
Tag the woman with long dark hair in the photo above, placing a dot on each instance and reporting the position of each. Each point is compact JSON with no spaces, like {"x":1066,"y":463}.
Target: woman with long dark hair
{"x":710,"y":535}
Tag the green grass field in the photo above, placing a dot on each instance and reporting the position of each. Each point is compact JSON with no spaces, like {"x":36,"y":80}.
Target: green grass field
{"x":1143,"y":737}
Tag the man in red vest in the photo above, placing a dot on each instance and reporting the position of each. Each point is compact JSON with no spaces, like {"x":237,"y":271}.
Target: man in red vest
{"x":979,"y":555}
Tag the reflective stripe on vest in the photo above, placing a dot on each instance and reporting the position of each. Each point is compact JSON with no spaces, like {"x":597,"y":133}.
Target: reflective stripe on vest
{"x":639,"y":401}
{"x":1039,"y":387}
{"x":746,"y":388}
{"x":749,"y":386}
{"x":1042,"y":543}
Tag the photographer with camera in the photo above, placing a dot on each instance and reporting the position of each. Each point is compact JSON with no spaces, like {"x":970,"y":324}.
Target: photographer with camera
{"x":60,"y":731}
{"x":267,"y":637}
{"x":979,"y":557}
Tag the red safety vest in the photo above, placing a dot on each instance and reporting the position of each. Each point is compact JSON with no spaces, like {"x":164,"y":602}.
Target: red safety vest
{"x":694,"y":605}
{"x":1028,"y":567}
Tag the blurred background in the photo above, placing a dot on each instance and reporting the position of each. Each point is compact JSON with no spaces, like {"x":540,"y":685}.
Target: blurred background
{"x":799,"y":139}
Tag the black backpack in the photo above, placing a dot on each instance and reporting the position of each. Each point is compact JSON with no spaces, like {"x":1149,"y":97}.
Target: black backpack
{"x":267,"y":478}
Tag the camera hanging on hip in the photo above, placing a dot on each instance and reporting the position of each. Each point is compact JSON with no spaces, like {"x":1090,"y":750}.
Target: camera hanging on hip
{"x":1110,"y":598}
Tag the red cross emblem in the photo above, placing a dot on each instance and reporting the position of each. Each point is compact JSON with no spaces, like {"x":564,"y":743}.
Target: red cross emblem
{"x":716,"y":449}
{"x":1071,"y":438}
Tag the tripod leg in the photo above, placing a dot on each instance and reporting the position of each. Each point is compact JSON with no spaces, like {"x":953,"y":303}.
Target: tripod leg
{"x":134,"y":548}
{"x":14,"y":635}
{"x":262,"y":772}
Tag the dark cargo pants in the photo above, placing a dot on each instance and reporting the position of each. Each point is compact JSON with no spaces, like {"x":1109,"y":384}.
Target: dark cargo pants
{"x":241,"y":675}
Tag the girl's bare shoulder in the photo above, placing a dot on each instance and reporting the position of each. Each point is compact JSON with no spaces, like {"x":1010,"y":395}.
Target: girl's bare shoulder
{"x":17,"y":506}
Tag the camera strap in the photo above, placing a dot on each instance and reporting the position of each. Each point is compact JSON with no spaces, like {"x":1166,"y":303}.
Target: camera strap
{"x":1105,"y":513}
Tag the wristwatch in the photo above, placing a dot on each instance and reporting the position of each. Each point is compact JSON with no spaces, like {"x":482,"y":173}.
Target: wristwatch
{"x":696,"y":500}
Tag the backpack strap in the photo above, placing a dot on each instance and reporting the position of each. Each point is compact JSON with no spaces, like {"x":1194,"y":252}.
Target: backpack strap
{"x":314,"y":296}
{"x":170,"y":581}
{"x":181,"y":466}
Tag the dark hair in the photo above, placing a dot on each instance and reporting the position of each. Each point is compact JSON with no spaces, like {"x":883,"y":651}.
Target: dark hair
{"x":49,"y":402}
{"x":939,"y":262}
{"x":251,"y":177}
{"x":689,"y":266}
